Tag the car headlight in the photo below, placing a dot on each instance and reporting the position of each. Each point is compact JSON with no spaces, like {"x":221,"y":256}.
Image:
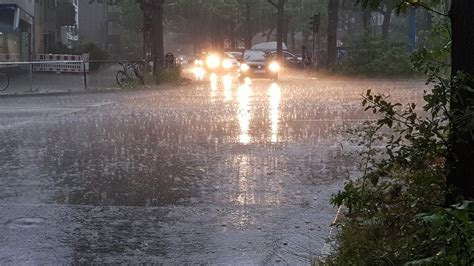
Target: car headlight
{"x":227,"y":64}
{"x":213,"y":61}
{"x":274,"y":67}
{"x":244,"y":67}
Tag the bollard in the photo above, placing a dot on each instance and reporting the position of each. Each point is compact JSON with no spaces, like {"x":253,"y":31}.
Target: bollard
{"x":31,"y":77}
{"x":84,"y":72}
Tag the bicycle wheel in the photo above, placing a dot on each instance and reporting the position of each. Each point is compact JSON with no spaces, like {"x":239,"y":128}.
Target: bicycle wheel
{"x":123,"y":80}
{"x":4,"y":82}
{"x":138,"y":74}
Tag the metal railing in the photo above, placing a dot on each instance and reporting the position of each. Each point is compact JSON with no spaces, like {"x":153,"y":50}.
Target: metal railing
{"x":31,"y":65}
{"x":84,"y":68}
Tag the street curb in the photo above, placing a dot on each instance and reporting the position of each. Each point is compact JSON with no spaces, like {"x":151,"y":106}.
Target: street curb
{"x":58,"y":93}
{"x":97,"y":91}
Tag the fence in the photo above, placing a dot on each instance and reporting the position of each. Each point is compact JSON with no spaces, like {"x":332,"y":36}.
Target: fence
{"x":58,"y":76}
{"x":9,"y":57}
{"x":61,"y":63}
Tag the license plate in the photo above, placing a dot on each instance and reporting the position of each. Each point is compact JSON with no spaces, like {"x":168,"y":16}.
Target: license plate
{"x":259,"y":71}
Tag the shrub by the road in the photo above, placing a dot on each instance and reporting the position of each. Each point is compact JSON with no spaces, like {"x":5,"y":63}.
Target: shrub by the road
{"x":172,"y":74}
{"x":395,"y":212}
{"x":95,"y":54}
{"x":375,"y":57}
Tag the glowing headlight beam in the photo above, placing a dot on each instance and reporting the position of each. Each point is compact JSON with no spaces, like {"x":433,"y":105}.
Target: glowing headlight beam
{"x":274,"y":67}
{"x":213,"y":61}
{"x":244,"y":67}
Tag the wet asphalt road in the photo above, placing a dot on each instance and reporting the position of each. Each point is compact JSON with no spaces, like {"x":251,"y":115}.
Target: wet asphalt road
{"x":200,"y":173}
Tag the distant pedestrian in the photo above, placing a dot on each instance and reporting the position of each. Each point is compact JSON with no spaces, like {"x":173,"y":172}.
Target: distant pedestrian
{"x":170,"y":61}
{"x":307,"y":57}
{"x":304,"y":56}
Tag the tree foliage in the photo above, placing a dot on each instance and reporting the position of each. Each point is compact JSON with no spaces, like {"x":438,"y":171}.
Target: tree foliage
{"x":397,"y":210}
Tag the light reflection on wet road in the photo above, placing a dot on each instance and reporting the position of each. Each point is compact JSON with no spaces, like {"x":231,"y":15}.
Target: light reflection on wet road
{"x":203,"y":173}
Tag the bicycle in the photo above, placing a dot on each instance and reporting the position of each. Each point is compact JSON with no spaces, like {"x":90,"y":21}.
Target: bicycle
{"x":127,"y":79}
{"x":4,"y":81}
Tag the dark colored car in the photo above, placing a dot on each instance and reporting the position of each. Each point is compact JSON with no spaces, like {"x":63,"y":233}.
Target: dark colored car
{"x":257,"y":63}
{"x":290,"y":60}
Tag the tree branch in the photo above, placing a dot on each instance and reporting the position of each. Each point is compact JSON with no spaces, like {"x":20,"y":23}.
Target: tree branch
{"x":272,"y":3}
{"x":429,"y":8}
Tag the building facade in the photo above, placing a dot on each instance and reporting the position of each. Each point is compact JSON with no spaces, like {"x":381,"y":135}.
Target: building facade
{"x":30,"y":27}
{"x":16,"y":30}
{"x":55,"y":25}
{"x":98,"y":22}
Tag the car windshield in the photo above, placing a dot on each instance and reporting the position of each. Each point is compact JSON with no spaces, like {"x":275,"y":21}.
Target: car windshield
{"x":254,"y":56}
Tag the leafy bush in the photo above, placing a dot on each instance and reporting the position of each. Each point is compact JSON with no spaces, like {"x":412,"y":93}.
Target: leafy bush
{"x":168,"y":75}
{"x":95,"y":53}
{"x":396,"y":211}
{"x":372,"y":56}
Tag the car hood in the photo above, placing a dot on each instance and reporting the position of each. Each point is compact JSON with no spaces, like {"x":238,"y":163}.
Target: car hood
{"x":255,"y":63}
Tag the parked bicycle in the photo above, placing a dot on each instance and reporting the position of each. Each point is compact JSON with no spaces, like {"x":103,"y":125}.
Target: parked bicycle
{"x":4,"y":81}
{"x":130,"y":75}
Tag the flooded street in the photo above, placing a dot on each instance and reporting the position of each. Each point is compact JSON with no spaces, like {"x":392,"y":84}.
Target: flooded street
{"x":199,"y":173}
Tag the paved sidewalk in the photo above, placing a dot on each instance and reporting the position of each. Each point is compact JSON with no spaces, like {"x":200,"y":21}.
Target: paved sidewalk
{"x":57,"y":83}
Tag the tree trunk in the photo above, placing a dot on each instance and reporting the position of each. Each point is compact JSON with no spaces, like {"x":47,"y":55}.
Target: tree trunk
{"x":367,"y":20}
{"x":293,"y":40}
{"x":147,"y":27}
{"x":286,"y":30}
{"x":158,"y":47}
{"x":196,"y":27}
{"x":269,"y":34}
{"x":249,"y":28}
{"x":280,"y":28}
{"x":306,"y":38}
{"x":333,"y":10}
{"x":232,"y":37}
{"x":461,"y":161}
{"x":387,"y":17}
{"x":428,"y":20}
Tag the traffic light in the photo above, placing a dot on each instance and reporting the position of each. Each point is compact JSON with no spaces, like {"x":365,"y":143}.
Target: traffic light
{"x":315,"y":23}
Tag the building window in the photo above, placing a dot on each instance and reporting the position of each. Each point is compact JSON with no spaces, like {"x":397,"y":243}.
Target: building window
{"x":7,"y":18}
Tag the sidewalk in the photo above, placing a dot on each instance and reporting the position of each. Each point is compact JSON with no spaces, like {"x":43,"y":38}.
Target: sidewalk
{"x":59,"y":83}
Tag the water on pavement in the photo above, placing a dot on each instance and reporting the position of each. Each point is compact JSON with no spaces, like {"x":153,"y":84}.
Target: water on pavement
{"x":202,"y":173}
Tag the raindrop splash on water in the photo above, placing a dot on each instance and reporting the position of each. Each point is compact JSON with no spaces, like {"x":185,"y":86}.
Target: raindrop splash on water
{"x":275,"y":98}
{"x":243,"y":93}
{"x":227,"y":81}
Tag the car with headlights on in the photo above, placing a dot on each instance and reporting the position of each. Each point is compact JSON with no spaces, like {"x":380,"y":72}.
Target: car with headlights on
{"x":216,"y":63}
{"x":258,"y":63}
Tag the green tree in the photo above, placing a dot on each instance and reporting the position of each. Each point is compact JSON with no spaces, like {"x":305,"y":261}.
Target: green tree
{"x":131,"y":26}
{"x":461,"y":144}
{"x":280,"y":6}
{"x":153,"y":31}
